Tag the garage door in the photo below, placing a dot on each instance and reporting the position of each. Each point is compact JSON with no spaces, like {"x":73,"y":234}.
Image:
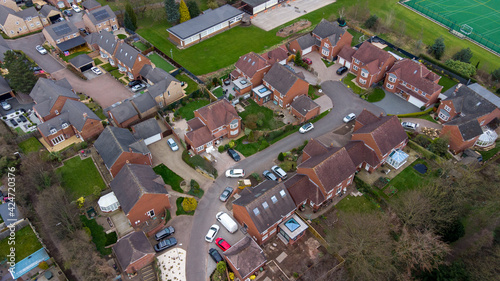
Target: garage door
{"x":418,"y":103}
{"x":306,"y":51}
{"x":54,"y":18}
{"x":271,"y":3}
{"x":86,"y":67}
{"x":258,"y":9}
{"x":348,"y":64}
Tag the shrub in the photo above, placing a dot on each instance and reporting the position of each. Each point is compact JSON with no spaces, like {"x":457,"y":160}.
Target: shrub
{"x":437,"y":49}
{"x":439,"y":146}
{"x":371,"y":21}
{"x":281,"y":157}
{"x":43,"y":265}
{"x":226,"y":146}
{"x":461,"y":67}
{"x":423,"y":140}
{"x":251,"y":125}
{"x":463,"y":55}
{"x":231,"y":144}
{"x":256,"y":176}
{"x":221,"y":148}
{"x":189,"y":204}
{"x":263,"y":145}
{"x":83,"y":145}
{"x":221,"y":267}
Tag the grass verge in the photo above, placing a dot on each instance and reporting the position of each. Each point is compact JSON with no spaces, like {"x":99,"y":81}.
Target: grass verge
{"x":180,"y":209}
{"x":169,"y":177}
{"x":377,"y":95}
{"x":350,"y":84}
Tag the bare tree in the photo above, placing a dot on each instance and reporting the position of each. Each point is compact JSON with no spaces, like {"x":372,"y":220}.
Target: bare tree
{"x":413,"y":209}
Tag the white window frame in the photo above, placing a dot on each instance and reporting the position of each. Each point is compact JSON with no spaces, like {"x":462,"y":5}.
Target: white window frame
{"x":57,"y":140}
{"x":389,"y":86}
{"x":392,"y":78}
{"x":149,"y":213}
{"x":282,"y":193}
{"x":325,"y":52}
{"x":443,"y":116}
{"x":274,"y":199}
{"x":256,"y":211}
{"x":355,"y":67}
{"x":362,"y":81}
{"x":447,"y":108}
{"x":356,"y":61}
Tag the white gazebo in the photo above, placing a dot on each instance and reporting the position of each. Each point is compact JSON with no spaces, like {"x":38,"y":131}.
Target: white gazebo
{"x":108,"y":203}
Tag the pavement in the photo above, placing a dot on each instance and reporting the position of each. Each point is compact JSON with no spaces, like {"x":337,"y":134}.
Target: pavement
{"x":393,"y":104}
{"x":324,"y":73}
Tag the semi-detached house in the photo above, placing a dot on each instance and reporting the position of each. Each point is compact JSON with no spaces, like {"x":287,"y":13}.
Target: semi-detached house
{"x":102,"y":18}
{"x":15,"y":23}
{"x":63,"y":35}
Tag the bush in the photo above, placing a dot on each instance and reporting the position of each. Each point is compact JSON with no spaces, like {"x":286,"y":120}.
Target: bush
{"x":189,"y":204}
{"x":437,"y":49}
{"x":439,"y":146}
{"x":221,"y":148}
{"x":423,"y":140}
{"x":371,"y":21}
{"x":263,"y":145}
{"x":256,"y":176}
{"x":83,"y":145}
{"x":43,"y":265}
{"x":462,"y":68}
{"x":281,"y":157}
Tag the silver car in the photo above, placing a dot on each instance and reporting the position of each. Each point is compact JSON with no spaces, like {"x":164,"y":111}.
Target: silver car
{"x":173,"y":145}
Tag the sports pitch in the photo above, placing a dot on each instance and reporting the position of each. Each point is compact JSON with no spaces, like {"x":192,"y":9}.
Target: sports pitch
{"x":483,"y":16}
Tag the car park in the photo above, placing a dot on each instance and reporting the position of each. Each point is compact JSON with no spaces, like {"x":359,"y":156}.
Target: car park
{"x":409,"y":125}
{"x":278,"y":171}
{"x":306,"y":128}
{"x":212,"y":232}
{"x":67,"y":13}
{"x":138,"y":87}
{"x":76,"y":8}
{"x":349,"y":117}
{"x":134,"y":83}
{"x":307,"y":61}
{"x":215,"y":255}
{"x":235,"y":173}
{"x":172,"y":144}
{"x":270,"y":176}
{"x":164,"y":233}
{"x":96,"y":70}
{"x":222,"y":244}
{"x":226,"y":193}
{"x":41,"y":49}
{"x":233,"y":154}
{"x":342,"y":70}
{"x":5,"y":105}
{"x":165,"y":244}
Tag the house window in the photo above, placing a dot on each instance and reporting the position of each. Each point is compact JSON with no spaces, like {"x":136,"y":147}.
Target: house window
{"x":443,"y":116}
{"x":256,"y":211}
{"x":404,"y":83}
{"x":12,"y":32}
{"x":325,"y":52}
{"x":356,"y":61}
{"x":32,"y":25}
{"x":364,"y":73}
{"x":392,"y":78}
{"x":327,"y":45}
{"x":416,"y":90}
{"x":200,"y":148}
{"x":362,"y":81}
{"x":114,"y":20}
{"x":282,"y":193}
{"x":56,"y":112}
{"x":64,"y":125}
{"x":274,"y":199}
{"x":209,"y":143}
{"x":53,"y":131}
{"x":17,"y":22}
{"x":233,"y":124}
{"x":38,"y":23}
{"x":151,"y":213}
{"x":232,"y":133}
{"x":74,"y":35}
{"x":57,"y":140}
{"x":20,"y":29}
{"x":139,"y":57}
{"x":265,"y":205}
{"x":447,"y":108}
{"x":389,"y":86}
{"x":28,"y":18}
{"x":99,"y":25}
{"x":355,"y":68}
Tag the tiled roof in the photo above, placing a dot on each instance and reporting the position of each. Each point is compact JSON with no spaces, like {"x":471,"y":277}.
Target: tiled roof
{"x":314,"y":148}
{"x":302,"y":188}
{"x":218,"y":114}
{"x":326,"y":29}
{"x":123,"y":111}
{"x":101,"y":14}
{"x":4,"y":86}
{"x":146,"y":129}
{"x":156,"y":75}
{"x":250,"y":63}
{"x":90,"y":4}
{"x":246,"y":256}
{"x":276,"y":55}
{"x":143,"y":103}
{"x":46,"y":9}
{"x":26,"y":13}
{"x":467,"y":102}
{"x":307,"y":41}
{"x":281,"y":78}
{"x":195,"y":123}
{"x":45,"y":93}
{"x":200,"y":136}
{"x":4,"y":13}
{"x":415,"y":74}
{"x":366,"y":117}
{"x":131,"y":248}
{"x":303,"y":104}
{"x":359,"y":153}
{"x":126,"y":54}
{"x":486,"y":94}
{"x":107,"y":41}
{"x":81,"y":60}
{"x":346,"y":53}
{"x":371,"y":57}
{"x":387,"y":133}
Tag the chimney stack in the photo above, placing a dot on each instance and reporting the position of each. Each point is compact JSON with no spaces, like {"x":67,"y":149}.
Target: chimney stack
{"x":85,"y":115}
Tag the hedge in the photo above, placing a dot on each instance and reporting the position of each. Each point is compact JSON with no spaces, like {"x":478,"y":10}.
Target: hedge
{"x":442,"y":65}
{"x":198,"y":161}
{"x":426,"y":153}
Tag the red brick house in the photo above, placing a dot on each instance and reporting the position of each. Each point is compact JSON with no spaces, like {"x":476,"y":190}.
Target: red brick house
{"x":284,"y":85}
{"x":278,"y":55}
{"x":466,"y":114}
{"x":124,"y":114}
{"x":414,"y":82}
{"x":50,"y":96}
{"x":118,"y":147}
{"x":210,"y":124}
{"x":133,"y":252}
{"x":142,"y":193}
{"x":250,"y":70}
{"x":304,"y":108}
{"x":128,"y":59}
{"x":304,"y":44}
{"x":245,"y":258}
{"x":262,"y":209}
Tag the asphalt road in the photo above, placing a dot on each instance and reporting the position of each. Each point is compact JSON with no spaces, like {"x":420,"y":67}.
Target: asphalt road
{"x":344,"y":102}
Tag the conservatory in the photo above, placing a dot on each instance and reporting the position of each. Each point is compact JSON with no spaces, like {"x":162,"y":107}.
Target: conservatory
{"x":108,"y":203}
{"x":397,"y":158}
{"x":487,"y":138}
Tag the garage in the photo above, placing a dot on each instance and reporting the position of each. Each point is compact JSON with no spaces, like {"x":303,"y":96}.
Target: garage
{"x":306,"y":51}
{"x":344,"y":62}
{"x":256,"y":6}
{"x":82,"y":62}
{"x":5,"y":90}
{"x":416,"y":102}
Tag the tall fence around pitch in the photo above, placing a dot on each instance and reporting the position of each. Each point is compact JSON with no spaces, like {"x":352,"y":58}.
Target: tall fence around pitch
{"x":488,"y":42}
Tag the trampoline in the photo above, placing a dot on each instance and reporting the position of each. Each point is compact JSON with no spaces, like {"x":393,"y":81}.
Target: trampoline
{"x":421,"y":168}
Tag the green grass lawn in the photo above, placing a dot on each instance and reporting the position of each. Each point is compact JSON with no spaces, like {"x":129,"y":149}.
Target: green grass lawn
{"x":97,"y":61}
{"x":348,"y":81}
{"x":377,"y":95}
{"x":140,"y":46}
{"x":67,"y":58}
{"x":169,"y":177}
{"x":355,"y":36}
{"x":192,"y":86}
{"x":447,"y":83}
{"x":108,"y":67}
{"x":218,"y":92}
{"x":180,"y":210}
{"x":99,"y":237}
{"x":356,"y":204}
{"x":427,"y":117}
{"x":187,"y":111}
{"x":247,"y":149}
{"x":97,"y":109}
{"x":80,"y":177}
{"x":121,"y":36}
{"x":409,"y":178}
{"x":488,"y":154}
{"x":160,"y":62}
{"x":19,"y":131}
{"x":26,"y":244}
{"x":269,"y":123}
{"x":30,"y":145}
{"x":327,"y":63}
{"x":116,"y":73}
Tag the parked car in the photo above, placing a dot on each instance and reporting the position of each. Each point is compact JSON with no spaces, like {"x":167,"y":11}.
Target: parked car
{"x":41,"y":49}
{"x":13,"y":122}
{"x":165,"y":244}
{"x":227,"y":222}
{"x":306,"y":128}
{"x":233,"y":154}
{"x":22,"y":118}
{"x":134,"y":83}
{"x":164,"y":233}
{"x":138,"y":87}
{"x":173,"y":145}
{"x":409,"y":125}
{"x":60,"y":19}
{"x":214,"y":254}
{"x":342,"y":70}
{"x":212,"y":232}
{"x":307,"y":61}
{"x":235,"y":173}
{"x":5,"y":105}
{"x":83,"y":30}
{"x":270,"y":176}
{"x":67,"y":13}
{"x":96,"y":70}
{"x":349,"y":117}
{"x":76,"y":8}
{"x":278,"y":171}
{"x":225,"y":194}
{"x":223,"y":245}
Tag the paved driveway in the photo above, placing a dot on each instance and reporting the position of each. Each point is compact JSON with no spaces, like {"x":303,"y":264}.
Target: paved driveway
{"x":392,"y":104}
{"x":76,"y":19}
{"x":324,"y":73}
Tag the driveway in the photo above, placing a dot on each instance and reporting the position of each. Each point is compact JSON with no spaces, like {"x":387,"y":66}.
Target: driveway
{"x":15,"y":106}
{"x":345,"y":102}
{"x":76,"y":19}
{"x":422,"y":123}
{"x":309,"y":77}
{"x":392,"y":104}
{"x":324,"y":73}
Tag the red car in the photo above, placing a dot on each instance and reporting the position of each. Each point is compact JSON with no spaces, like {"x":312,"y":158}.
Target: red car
{"x":223,"y":245}
{"x":307,"y":60}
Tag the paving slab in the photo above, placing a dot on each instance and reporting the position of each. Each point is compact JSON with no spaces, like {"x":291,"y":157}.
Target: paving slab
{"x":281,"y":257}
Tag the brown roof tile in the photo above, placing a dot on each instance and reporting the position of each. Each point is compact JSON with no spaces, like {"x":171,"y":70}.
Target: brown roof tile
{"x":200,"y":136}
{"x":371,"y":56}
{"x":416,"y":74}
{"x":346,"y":53}
{"x":250,"y":63}
{"x":303,"y":104}
{"x":366,"y":117}
{"x":359,"y":153}
{"x":195,"y":123}
{"x":246,"y":256}
{"x":302,"y":188}
{"x":218,"y":113}
{"x":314,"y":147}
{"x":387,"y":133}
{"x":131,"y":248}
{"x":276,"y":55}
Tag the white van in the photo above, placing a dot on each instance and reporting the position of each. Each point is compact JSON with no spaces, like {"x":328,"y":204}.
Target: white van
{"x":227,"y":222}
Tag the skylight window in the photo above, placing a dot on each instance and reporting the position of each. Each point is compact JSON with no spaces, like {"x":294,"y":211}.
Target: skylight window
{"x":282,"y":193}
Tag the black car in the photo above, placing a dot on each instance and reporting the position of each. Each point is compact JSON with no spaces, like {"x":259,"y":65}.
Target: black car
{"x":214,"y":254}
{"x":134,"y":83}
{"x":341,"y":70}
{"x":164,"y":233}
{"x":22,"y":118}
{"x":234,"y":154}
{"x":270,"y":176}
{"x":13,"y":122}
{"x":165,"y":244}
{"x":67,"y":13}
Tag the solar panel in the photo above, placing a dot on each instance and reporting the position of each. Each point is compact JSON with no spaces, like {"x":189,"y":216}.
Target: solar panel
{"x":101,"y":15}
{"x":62,"y":29}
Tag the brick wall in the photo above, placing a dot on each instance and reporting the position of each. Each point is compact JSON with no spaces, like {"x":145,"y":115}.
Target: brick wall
{"x":300,"y":87}
{"x":15,"y":26}
{"x":155,"y":202}
{"x":142,"y":262}
{"x":91,"y":129}
{"x":241,"y":215}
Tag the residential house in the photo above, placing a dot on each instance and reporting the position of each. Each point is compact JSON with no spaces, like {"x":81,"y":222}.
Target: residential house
{"x":4,"y":47}
{"x":148,"y":130}
{"x":107,"y":43}
{"x":129,"y":60}
{"x":210,"y":124}
{"x":369,"y":64}
{"x":254,"y":7}
{"x":245,"y":258}
{"x":261,"y":209}
{"x":50,"y":13}
{"x":64,"y":36}
{"x":304,"y":108}
{"x":278,"y":55}
{"x":284,"y":84}
{"x":5,"y":89}
{"x":165,"y":89}
{"x":133,"y":252}
{"x":249,"y":72}
{"x":124,"y":114}
{"x":50,"y":96}
{"x":98,"y":19}
{"x":466,"y":113}
{"x":205,"y":25}
{"x":82,"y":62}
{"x":142,"y":194}
{"x":414,"y":82}
{"x":304,"y":44}
{"x":117,"y":147}
{"x":64,"y":3}
{"x":10,"y":4}
{"x":91,"y":5}
{"x":145,"y":105}
{"x":15,"y":23}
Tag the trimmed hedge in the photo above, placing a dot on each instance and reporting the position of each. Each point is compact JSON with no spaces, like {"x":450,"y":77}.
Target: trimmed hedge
{"x":442,"y":65}
{"x":426,"y":153}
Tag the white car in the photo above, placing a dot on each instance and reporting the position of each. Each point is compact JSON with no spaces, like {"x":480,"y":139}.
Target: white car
{"x":212,"y":232}
{"x":41,"y":50}
{"x":349,"y":117}
{"x":409,"y":125}
{"x":5,"y":105}
{"x":173,"y":145}
{"x":96,"y":70}
{"x":76,"y":8}
{"x":306,"y":128}
{"x":235,"y":173}
{"x":138,"y":87}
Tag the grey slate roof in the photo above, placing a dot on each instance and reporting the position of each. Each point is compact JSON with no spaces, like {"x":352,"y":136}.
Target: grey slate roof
{"x":144,"y":103}
{"x":469,"y":103}
{"x":89,"y":4}
{"x":483,"y":92}
{"x":326,"y":29}
{"x":4,"y":86}
{"x":307,"y":41}
{"x":71,"y":43}
{"x":304,"y":104}
{"x":107,"y":41}
{"x":4,"y":47}
{"x":126,"y":54}
{"x":159,"y":88}
{"x":146,"y":129}
{"x":156,"y":74}
{"x":92,"y":38}
{"x":123,"y":111}
{"x":114,"y":141}
{"x":254,"y":197}
{"x":204,"y":21}
{"x":4,"y":13}
{"x":132,"y":248}
{"x":281,"y":78}
{"x":132,"y":182}
{"x":45,"y":93}
{"x":101,"y":15}
{"x":81,"y":60}
{"x":61,"y":29}
{"x":46,"y":9}
{"x":469,"y":128}
{"x":246,"y":256}
{"x":30,"y":12}
{"x":254,"y":3}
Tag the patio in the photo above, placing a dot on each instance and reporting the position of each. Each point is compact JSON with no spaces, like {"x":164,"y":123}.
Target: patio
{"x":60,"y":146}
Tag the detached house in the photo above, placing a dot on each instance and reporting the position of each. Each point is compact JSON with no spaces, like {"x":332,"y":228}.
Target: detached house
{"x":142,"y":194}
{"x":284,"y":85}
{"x":118,"y":147}
{"x":15,"y":23}
{"x":210,"y":124}
{"x":10,"y":4}
{"x":64,"y":36}
{"x":129,"y":60}
{"x":133,"y":252}
{"x":50,"y":96}
{"x":50,"y":13}
{"x":124,"y":114}
{"x":245,"y":258}
{"x":250,"y":70}
{"x":64,"y":3}
{"x":414,"y":82}
{"x":165,"y":89}
{"x":98,"y":19}
{"x":304,"y":108}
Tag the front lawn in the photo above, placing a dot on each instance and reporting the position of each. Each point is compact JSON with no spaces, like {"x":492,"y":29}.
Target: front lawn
{"x":447,"y":83}
{"x":67,"y":58}
{"x":356,"y":204}
{"x":26,"y":244}
{"x":160,"y":62}
{"x":108,"y":67}
{"x":377,"y":95}
{"x":169,"y":177}
{"x":30,"y":145}
{"x":253,"y":110}
{"x":81,"y":177}
{"x":97,"y":61}
{"x":97,"y":109}
{"x":99,"y":237}
{"x":116,"y":73}
{"x":427,"y":117}
{"x":187,"y":111}
{"x":192,"y":86}
{"x":350,"y":84}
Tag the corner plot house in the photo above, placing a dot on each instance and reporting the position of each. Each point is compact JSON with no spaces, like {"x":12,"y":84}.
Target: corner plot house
{"x":205,"y":25}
